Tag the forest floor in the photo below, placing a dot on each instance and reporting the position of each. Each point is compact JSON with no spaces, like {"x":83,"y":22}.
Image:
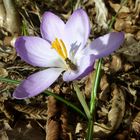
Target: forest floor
{"x":44,"y":117}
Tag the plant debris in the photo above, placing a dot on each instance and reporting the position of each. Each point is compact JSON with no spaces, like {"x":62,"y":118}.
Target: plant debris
{"x":117,"y":114}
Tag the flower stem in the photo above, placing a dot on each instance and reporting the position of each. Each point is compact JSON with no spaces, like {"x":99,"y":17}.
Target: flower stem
{"x":93,"y":100}
{"x":96,"y":83}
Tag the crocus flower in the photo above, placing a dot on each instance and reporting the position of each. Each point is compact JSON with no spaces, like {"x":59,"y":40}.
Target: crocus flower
{"x":62,"y":50}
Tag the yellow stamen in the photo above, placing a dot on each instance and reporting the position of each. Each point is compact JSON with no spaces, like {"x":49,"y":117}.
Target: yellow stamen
{"x":60,"y":47}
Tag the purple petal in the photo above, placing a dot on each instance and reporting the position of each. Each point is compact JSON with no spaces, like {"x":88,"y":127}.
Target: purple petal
{"x":36,"y":83}
{"x":37,"y":52}
{"x":85,"y":66}
{"x":105,"y":45}
{"x":51,"y":26}
{"x":78,"y":28}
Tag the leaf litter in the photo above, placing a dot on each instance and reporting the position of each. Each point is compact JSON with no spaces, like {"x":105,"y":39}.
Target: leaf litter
{"x":118,"y":102}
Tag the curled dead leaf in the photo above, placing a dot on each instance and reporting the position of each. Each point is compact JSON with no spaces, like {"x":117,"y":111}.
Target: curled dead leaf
{"x":8,"y":16}
{"x":104,"y":86}
{"x":53,"y":130}
{"x":119,"y":24}
{"x":115,"y":114}
{"x":101,"y":13}
{"x":136,"y":9}
{"x":117,"y":7}
{"x":125,"y":25}
{"x":64,"y":123}
{"x":52,"y":126}
{"x":56,"y":127}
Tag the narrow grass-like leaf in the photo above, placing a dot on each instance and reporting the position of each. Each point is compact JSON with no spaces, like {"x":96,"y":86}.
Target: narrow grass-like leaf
{"x":48,"y":93}
{"x":65,"y":102}
{"x":9,"y":80}
{"x":82,"y":100}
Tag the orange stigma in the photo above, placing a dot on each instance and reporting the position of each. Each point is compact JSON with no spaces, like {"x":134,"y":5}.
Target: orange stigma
{"x":60,"y":47}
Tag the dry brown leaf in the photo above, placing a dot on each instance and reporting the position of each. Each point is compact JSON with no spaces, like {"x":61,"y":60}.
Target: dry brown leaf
{"x":6,"y":108}
{"x":104,"y":86}
{"x":33,"y":112}
{"x":129,"y":39}
{"x":64,"y":123}
{"x":89,"y":84}
{"x":53,"y":130}
{"x":53,"y":125}
{"x":127,"y":67}
{"x":115,"y":115}
{"x":117,"y":111}
{"x":57,"y":124}
{"x":119,"y":24}
{"x":126,"y":24}
{"x":26,"y":130}
{"x":136,"y":9}
{"x":7,"y":53}
{"x":80,"y":130}
{"x":8,"y":16}
{"x":117,"y":7}
{"x":116,"y":63}
{"x":3,"y":135}
{"x":138,"y":35}
{"x":101,"y":13}
{"x":136,"y":123}
{"x":131,"y":52}
{"x":3,"y":72}
{"x":129,"y":28}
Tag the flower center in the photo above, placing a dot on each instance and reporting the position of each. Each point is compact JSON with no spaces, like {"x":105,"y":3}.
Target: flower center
{"x":60,"y":47}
